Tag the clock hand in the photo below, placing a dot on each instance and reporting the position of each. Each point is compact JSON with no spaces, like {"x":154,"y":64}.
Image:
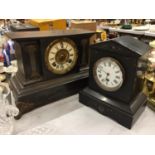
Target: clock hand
{"x":107,"y":74}
{"x":104,"y":71}
{"x":107,"y":79}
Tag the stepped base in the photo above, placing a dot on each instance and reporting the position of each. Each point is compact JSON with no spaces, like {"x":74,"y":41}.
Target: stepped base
{"x":125,"y":114}
{"x":31,"y":96}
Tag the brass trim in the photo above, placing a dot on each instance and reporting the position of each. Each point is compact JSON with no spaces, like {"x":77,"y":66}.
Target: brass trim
{"x":69,"y":41}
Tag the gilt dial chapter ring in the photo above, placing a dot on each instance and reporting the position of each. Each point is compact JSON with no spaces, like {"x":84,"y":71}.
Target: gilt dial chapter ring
{"x":61,"y":56}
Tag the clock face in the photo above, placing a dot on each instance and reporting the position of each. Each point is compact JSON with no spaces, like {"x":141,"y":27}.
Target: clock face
{"x":108,"y":74}
{"x":61,"y":56}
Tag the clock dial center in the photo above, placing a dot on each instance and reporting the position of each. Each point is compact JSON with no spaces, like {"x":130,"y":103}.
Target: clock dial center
{"x":62,"y":56}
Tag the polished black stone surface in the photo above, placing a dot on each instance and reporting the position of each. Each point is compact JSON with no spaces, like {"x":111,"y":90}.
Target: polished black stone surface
{"x":125,"y":114}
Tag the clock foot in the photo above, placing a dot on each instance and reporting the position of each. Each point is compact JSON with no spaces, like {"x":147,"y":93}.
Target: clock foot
{"x":123,"y":113}
{"x":24,"y":108}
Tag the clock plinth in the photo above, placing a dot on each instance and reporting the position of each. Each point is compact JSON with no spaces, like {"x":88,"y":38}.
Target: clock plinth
{"x":125,"y":114}
{"x":35,"y":95}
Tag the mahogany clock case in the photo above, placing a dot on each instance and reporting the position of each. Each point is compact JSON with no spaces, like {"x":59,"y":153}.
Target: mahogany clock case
{"x":125,"y":104}
{"x":34,"y":84}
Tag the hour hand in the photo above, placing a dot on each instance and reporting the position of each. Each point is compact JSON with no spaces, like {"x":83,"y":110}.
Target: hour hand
{"x":107,"y":80}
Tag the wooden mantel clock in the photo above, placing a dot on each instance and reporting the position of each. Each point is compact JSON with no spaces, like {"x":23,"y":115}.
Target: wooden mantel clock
{"x":114,"y":87}
{"x":51,"y":65}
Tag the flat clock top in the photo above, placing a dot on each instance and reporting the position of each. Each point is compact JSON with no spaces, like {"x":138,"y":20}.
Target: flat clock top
{"x":61,"y":56}
{"x":108,"y":74}
{"x":46,"y":34}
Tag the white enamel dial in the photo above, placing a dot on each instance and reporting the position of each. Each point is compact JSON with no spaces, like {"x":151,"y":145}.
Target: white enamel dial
{"x":108,"y":74}
{"x":61,"y":56}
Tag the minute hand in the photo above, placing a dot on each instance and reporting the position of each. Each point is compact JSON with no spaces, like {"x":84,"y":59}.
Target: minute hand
{"x":104,"y":72}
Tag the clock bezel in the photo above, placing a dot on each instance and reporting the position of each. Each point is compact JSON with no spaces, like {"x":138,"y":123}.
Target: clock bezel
{"x":47,"y":51}
{"x":96,"y":77}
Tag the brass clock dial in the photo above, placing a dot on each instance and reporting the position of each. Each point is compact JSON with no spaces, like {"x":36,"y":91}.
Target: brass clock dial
{"x":108,"y":74}
{"x":61,"y":56}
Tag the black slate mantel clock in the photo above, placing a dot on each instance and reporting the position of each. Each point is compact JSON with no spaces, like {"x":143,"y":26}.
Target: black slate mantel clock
{"x":51,"y":65}
{"x":114,"y":87}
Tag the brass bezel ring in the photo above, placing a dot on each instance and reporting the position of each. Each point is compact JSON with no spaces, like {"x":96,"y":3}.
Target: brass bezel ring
{"x":50,"y":68}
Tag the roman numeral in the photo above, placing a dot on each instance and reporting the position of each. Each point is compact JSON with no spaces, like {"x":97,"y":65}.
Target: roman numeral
{"x":70,"y":49}
{"x":66,"y":46}
{"x":115,"y":81}
{"x":61,"y":66}
{"x":102,"y":80}
{"x":53,"y":53}
{"x":61,"y":44}
{"x":51,"y":59}
{"x":67,"y":64}
{"x":100,"y":67}
{"x":112,"y":83}
{"x":109,"y":63}
{"x":117,"y":71}
{"x":99,"y":71}
{"x":56,"y":47}
{"x":117,"y":77}
{"x":100,"y":75}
